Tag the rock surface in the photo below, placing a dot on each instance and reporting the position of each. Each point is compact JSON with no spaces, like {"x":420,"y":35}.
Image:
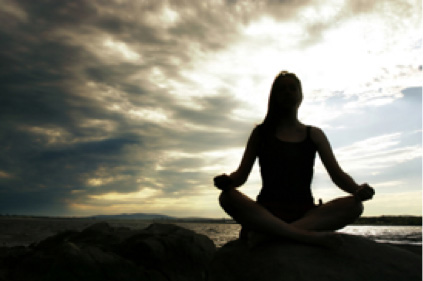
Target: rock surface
{"x":166,"y":252}
{"x":160,"y":252}
{"x":358,"y":259}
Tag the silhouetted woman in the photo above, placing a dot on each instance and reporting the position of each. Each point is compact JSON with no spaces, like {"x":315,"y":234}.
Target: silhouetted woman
{"x":286,"y":150}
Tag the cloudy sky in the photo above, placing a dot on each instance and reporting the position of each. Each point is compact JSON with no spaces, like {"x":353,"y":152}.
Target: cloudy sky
{"x":113,"y":106}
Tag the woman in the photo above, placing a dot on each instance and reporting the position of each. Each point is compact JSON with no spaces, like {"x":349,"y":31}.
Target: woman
{"x":286,"y":149}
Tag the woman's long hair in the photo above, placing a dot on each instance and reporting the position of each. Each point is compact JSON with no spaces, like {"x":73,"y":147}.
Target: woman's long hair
{"x":273,"y":110}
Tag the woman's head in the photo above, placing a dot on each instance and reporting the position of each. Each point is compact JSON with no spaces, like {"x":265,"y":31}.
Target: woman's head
{"x":286,"y":91}
{"x":285,"y":96}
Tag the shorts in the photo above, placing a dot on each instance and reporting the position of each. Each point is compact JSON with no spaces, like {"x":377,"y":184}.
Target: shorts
{"x":286,"y":212}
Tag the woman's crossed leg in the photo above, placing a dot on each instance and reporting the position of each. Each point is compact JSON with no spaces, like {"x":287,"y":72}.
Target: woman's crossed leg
{"x":313,"y":228}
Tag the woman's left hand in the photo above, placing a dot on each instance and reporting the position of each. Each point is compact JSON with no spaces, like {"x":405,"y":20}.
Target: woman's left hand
{"x":365,"y":192}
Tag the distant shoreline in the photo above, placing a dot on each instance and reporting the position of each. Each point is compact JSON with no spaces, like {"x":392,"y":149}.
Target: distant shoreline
{"x":379,"y":220}
{"x":27,"y":230}
{"x":390,"y":220}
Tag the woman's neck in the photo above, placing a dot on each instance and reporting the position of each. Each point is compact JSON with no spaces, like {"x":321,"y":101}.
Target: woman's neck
{"x":288,"y":119}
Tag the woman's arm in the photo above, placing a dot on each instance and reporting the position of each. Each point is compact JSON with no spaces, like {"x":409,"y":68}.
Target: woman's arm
{"x":338,"y":176}
{"x":240,"y":176}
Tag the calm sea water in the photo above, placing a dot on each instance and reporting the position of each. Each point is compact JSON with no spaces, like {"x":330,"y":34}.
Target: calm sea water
{"x":411,"y":235}
{"x":24,"y":231}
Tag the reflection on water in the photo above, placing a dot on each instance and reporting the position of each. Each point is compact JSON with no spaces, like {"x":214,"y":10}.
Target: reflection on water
{"x":393,"y":234}
{"x":219,"y":233}
{"x":23,"y":232}
{"x":412,"y":235}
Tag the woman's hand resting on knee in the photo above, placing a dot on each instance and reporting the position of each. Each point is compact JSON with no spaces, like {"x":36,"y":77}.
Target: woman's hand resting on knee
{"x":223,"y":182}
{"x":365,"y":192}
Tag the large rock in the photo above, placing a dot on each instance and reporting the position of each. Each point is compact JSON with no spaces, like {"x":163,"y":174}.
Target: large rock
{"x":358,"y":259}
{"x":101,"y":252}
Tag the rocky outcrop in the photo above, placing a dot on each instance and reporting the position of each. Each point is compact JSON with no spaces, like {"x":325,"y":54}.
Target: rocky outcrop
{"x":166,"y":252}
{"x":101,"y":252}
{"x":358,"y":259}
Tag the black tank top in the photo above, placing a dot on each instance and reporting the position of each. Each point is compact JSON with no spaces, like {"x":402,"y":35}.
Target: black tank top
{"x":286,"y":169}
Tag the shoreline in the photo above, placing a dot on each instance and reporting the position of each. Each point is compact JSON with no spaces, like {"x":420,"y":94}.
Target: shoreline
{"x":24,"y":231}
{"x":401,"y":220}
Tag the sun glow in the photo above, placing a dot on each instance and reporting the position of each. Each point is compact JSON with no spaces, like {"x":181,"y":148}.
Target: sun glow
{"x":244,"y":70}
{"x":114,"y":196}
{"x":136,"y":105}
{"x":122,"y":49}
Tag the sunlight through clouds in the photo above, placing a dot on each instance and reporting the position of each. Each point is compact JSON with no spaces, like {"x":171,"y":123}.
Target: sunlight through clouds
{"x":11,"y":8}
{"x":165,"y":18}
{"x":202,"y":203}
{"x":122,"y":49}
{"x":400,"y":203}
{"x":134,"y":106}
{"x":374,"y":154}
{"x":154,"y":115}
{"x":132,"y":196}
{"x":4,"y":175}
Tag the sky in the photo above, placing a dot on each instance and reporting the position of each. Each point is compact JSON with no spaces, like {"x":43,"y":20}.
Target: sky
{"x":113,"y":106}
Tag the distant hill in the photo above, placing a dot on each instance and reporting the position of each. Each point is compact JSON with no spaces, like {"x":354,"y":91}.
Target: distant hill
{"x":390,"y":220}
{"x":147,"y":216}
{"x":381,"y":220}
{"x":135,"y":216}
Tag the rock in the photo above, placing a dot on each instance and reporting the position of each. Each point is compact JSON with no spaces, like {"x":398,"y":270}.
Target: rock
{"x":357,"y":259}
{"x":160,"y":252}
{"x":170,"y":249}
{"x":416,"y":249}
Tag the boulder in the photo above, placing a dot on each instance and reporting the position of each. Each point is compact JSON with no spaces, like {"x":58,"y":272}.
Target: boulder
{"x":161,"y":252}
{"x":358,"y":259}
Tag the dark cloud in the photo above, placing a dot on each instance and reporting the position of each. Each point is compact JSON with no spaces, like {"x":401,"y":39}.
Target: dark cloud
{"x":58,"y":133}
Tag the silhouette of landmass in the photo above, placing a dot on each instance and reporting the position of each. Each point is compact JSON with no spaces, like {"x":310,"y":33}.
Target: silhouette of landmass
{"x":378,"y":220}
{"x":390,"y":220}
{"x":137,"y":216}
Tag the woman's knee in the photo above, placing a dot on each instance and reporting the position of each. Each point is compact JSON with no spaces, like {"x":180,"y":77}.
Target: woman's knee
{"x":349,"y":208}
{"x":360,"y":208}
{"x":355,"y":208}
{"x":226,"y":199}
{"x":223,"y":199}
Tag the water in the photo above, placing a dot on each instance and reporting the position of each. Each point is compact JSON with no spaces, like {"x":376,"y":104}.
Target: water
{"x":24,"y":231}
{"x":407,"y":235}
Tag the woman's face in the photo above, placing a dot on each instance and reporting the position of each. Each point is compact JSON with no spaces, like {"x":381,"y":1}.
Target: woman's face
{"x":288,"y":92}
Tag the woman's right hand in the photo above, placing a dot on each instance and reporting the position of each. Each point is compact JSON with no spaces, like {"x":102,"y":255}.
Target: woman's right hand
{"x":223,"y":182}
{"x":365,"y":192}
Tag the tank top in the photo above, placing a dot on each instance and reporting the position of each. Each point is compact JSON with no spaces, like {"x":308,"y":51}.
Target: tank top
{"x":286,"y":169}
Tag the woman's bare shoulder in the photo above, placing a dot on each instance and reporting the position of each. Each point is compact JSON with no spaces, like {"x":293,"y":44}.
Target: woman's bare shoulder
{"x":257,"y":130}
{"x":317,"y":134}
{"x":256,"y":133}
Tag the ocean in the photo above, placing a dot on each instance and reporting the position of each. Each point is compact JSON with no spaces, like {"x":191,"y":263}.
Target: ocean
{"x":407,"y":235}
{"x":25,"y":231}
